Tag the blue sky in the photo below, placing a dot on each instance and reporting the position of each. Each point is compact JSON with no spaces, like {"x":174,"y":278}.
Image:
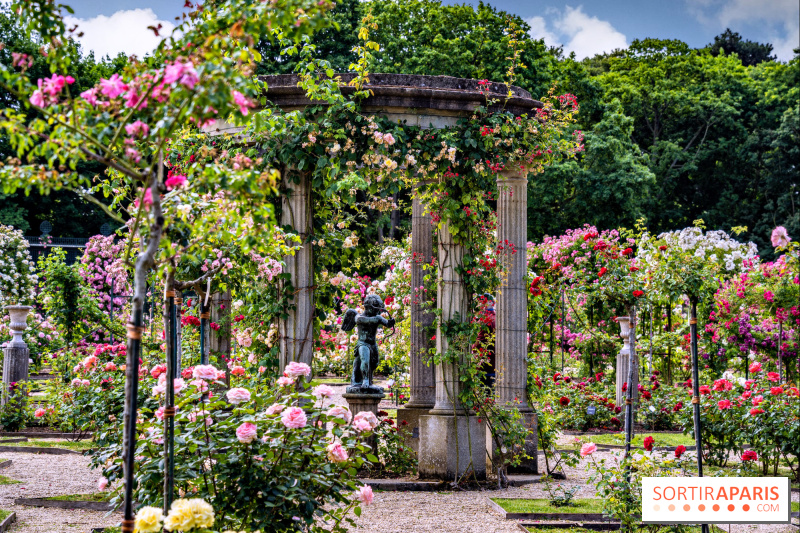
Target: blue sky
{"x":586,"y":27}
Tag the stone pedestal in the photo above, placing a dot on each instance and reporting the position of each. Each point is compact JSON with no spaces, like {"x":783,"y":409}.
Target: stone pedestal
{"x":623,"y":363}
{"x":16,"y":356}
{"x":408,"y":423}
{"x":296,"y":331}
{"x":363,"y":402}
{"x":453,"y":445}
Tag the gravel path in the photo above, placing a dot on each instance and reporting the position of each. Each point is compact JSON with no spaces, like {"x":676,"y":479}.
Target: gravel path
{"x":51,"y":475}
{"x":409,"y":512}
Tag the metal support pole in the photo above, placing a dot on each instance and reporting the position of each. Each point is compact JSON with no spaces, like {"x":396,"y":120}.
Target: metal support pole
{"x":696,"y":396}
{"x":135,"y":330}
{"x":563,"y":319}
{"x":111,"y":312}
{"x":169,"y":408}
{"x":780,"y":358}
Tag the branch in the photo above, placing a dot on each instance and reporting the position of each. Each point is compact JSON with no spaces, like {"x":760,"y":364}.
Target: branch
{"x":113,"y":164}
{"x":101,"y":205}
{"x":181,"y":285}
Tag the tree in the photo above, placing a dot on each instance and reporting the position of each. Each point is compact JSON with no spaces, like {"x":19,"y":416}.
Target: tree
{"x":607,"y":187}
{"x":749,"y":52}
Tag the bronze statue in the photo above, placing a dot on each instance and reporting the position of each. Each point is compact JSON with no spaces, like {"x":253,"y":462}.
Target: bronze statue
{"x":366,"y":349}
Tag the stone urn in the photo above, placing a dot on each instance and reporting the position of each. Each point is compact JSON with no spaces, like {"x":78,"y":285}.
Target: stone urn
{"x":16,"y":354}
{"x":623,"y":361}
{"x":19,"y":323}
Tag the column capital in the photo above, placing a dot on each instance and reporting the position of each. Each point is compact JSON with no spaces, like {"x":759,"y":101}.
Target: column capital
{"x":512,"y":174}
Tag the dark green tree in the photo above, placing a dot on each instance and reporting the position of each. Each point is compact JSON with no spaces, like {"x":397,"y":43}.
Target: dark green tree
{"x":749,"y":52}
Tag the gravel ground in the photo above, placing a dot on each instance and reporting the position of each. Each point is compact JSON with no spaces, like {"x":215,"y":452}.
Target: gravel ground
{"x":409,"y":512}
{"x":50,"y":475}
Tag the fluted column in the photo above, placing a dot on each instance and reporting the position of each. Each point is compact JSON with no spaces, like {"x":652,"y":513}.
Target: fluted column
{"x":423,"y":384}
{"x":297,"y":329}
{"x":452,"y":300}
{"x":511,"y":329}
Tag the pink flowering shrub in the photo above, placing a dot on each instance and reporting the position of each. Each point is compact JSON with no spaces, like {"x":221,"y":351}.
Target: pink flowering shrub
{"x":103,"y":270}
{"x":294,"y":457}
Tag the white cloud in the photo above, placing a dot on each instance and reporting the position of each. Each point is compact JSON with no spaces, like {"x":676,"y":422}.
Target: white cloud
{"x":578,"y":32}
{"x":783,"y":48}
{"x":539,"y":31}
{"x":124,"y":31}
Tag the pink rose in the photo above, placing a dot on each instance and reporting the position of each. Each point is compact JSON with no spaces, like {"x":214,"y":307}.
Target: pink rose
{"x":200,"y":384}
{"x":294,"y":418}
{"x":157,"y":370}
{"x":238,"y":395}
{"x":220,"y":374}
{"x":339,"y":411}
{"x":39,"y":413}
{"x":323,"y":391}
{"x":773,"y":376}
{"x":205,"y":372}
{"x":246,"y":433}
{"x":110,"y":366}
{"x":85,"y":382}
{"x":724,"y":404}
{"x":295,"y":370}
{"x":89,"y":362}
{"x":285,"y":381}
{"x":179,"y":384}
{"x":275,"y":408}
{"x":755,"y":367}
{"x":102,"y":483}
{"x":588,"y":449}
{"x":361,"y":425}
{"x":365,"y":495}
{"x":237,"y":371}
{"x":779,"y":237}
{"x":369,"y":417}
{"x":336,"y":453}
{"x":757,"y":400}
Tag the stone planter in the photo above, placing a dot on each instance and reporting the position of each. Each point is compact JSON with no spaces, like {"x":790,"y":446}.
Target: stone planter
{"x":623,"y":361}
{"x":19,"y":323}
{"x":16,"y":354}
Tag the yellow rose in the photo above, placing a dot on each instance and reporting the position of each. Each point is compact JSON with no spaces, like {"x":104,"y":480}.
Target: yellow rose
{"x":148,"y":520}
{"x":202,"y":511}
{"x":180,"y":517}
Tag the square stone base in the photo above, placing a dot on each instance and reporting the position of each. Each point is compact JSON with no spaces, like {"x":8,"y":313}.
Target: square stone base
{"x":410,"y":429}
{"x":527,"y":465}
{"x":450,"y":445}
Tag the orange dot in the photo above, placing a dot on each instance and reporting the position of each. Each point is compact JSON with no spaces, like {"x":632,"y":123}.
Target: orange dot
{"x":656,"y":507}
{"x":701,"y":507}
{"x":671,"y":507}
{"x":687,"y":507}
{"x":731,"y":507}
{"x":716,"y":507}
{"x":746,"y":507}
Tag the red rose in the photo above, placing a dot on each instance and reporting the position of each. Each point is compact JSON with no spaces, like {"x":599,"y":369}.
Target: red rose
{"x":638,"y":294}
{"x":680,"y":450}
{"x":646,"y":395}
{"x":564,"y":401}
{"x":662,"y":247}
{"x":625,"y":386}
{"x":773,"y":376}
{"x":776,"y":390}
{"x":634,"y":269}
{"x":627,"y":251}
{"x":756,"y":411}
{"x":617,"y":410}
{"x":705,"y":389}
{"x":602,"y":272}
{"x":678,"y":407}
{"x":749,"y":455}
{"x":648,"y":443}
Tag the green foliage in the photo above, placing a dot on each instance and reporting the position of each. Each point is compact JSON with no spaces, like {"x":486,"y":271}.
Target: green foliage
{"x":16,"y":413}
{"x":749,"y":52}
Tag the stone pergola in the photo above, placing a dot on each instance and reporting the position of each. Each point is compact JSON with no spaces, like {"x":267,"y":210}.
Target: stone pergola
{"x":449,"y":442}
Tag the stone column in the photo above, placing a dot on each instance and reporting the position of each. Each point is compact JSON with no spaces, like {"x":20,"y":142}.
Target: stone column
{"x":451,"y":443}
{"x":511,"y":329}
{"x":296,"y":332}
{"x":423,"y":382}
{"x":423,"y":385}
{"x":219,"y":339}
{"x":16,"y":356}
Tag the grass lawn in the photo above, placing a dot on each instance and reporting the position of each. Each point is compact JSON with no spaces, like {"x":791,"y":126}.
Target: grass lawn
{"x":544,"y":506}
{"x":80,"y":446}
{"x":8,"y":481}
{"x":96,"y":497}
{"x":4,"y":514}
{"x":329,"y":381}
{"x":662,"y":439}
{"x":795,"y":505}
